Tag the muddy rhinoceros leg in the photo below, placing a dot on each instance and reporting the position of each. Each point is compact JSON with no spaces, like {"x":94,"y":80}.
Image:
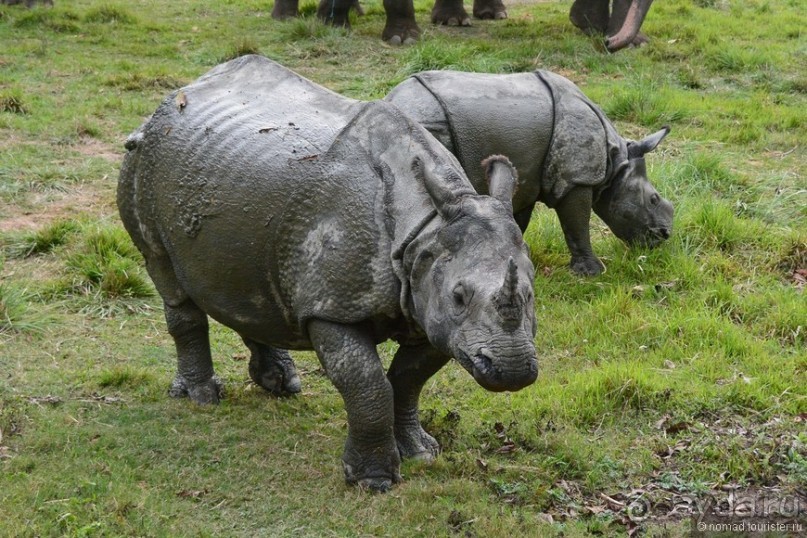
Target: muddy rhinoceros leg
{"x":489,"y":9}
{"x":574,"y":212}
{"x":409,"y":371}
{"x":195,"y":378}
{"x":350,"y":360}
{"x":273,"y":369}
{"x":285,"y":9}
{"x":450,"y":13}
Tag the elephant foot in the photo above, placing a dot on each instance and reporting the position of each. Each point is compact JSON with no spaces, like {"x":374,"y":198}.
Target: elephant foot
{"x":205,"y":393}
{"x":587,"y":266}
{"x":337,"y":16}
{"x":450,"y":13}
{"x":489,"y":9}
{"x":375,"y":468}
{"x":401,"y":32}
{"x":590,"y":16}
{"x":274,"y":371}
{"x":414,"y":443}
{"x":285,"y":9}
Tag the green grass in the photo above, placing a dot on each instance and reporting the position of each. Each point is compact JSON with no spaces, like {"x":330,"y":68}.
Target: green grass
{"x":681,"y":370}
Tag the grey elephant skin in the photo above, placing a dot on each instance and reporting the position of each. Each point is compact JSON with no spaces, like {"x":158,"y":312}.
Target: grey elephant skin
{"x":305,"y":220}
{"x":568,"y":155}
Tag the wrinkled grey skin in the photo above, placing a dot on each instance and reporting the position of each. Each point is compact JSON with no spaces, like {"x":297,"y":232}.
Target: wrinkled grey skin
{"x":304,"y":220}
{"x":568,"y":155}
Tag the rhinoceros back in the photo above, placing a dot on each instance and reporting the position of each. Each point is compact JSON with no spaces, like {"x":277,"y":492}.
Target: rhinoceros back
{"x":484,"y":114}
{"x":237,"y":181}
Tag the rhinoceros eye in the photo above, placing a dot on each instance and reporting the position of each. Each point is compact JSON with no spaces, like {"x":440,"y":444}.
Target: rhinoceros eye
{"x":654,"y":200}
{"x":459,"y":295}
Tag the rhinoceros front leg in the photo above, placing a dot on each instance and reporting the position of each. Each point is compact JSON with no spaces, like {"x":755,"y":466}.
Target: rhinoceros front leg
{"x":574,"y":212}
{"x":273,"y":369}
{"x":349,"y":358}
{"x":409,"y":371}
{"x":195,"y":378}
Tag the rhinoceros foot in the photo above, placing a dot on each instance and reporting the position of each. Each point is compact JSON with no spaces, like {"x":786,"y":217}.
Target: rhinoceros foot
{"x":375,"y":469}
{"x":587,"y":266}
{"x":274,"y":370}
{"x":207,"y":392}
{"x":415,"y":443}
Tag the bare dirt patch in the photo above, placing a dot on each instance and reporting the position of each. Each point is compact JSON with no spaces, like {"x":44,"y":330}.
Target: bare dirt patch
{"x":95,"y":198}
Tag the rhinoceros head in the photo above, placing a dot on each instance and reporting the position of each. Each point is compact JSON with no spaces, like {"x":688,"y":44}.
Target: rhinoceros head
{"x":471,"y":281}
{"x":631,"y":206}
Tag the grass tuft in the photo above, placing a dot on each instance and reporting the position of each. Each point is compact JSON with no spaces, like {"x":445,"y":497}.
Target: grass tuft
{"x":107,"y":14}
{"x":242,"y":48}
{"x":107,"y":263}
{"x":643,"y":103}
{"x":12,"y":101}
{"x":43,"y":240}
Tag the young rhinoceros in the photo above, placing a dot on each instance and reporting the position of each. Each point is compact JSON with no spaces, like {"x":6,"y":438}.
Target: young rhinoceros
{"x":304,"y":220}
{"x":567,"y":153}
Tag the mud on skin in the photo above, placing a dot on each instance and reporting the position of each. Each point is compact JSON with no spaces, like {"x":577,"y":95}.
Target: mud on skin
{"x":371,"y":230}
{"x":568,"y":154}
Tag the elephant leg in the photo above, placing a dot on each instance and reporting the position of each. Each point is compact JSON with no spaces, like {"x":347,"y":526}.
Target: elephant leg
{"x":273,"y":369}
{"x":489,"y":9}
{"x":626,"y":20}
{"x":349,"y":357}
{"x":523,"y":217}
{"x":574,"y":212}
{"x":335,"y":12}
{"x":285,"y":9}
{"x":591,"y":16}
{"x":409,"y":371}
{"x":400,"y":28}
{"x":450,"y":13}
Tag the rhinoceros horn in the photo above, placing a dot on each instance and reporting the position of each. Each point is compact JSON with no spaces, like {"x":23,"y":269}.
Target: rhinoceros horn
{"x":647,"y":144}
{"x":507,"y":301}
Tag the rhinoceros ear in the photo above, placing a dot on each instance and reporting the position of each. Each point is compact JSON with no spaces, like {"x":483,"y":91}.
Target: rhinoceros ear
{"x":445,"y":192}
{"x":502,"y":178}
{"x":646,"y":145}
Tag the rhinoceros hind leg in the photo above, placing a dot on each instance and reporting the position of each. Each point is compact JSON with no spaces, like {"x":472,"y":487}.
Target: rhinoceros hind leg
{"x":195,"y":378}
{"x":409,"y":371}
{"x":489,"y":9}
{"x":348,"y":355}
{"x":450,"y":13}
{"x":273,"y":369}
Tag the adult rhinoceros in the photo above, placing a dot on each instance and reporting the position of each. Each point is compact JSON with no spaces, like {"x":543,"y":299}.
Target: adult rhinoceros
{"x":305,"y":220}
{"x":569,"y":156}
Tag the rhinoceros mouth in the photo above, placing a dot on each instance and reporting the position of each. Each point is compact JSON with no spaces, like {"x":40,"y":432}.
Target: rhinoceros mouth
{"x":490,"y":376}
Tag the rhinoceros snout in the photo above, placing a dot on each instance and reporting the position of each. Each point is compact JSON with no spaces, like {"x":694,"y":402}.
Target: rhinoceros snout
{"x":493,"y":376}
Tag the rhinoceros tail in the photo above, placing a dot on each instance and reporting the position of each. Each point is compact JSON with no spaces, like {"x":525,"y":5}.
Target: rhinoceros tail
{"x":133,"y":140}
